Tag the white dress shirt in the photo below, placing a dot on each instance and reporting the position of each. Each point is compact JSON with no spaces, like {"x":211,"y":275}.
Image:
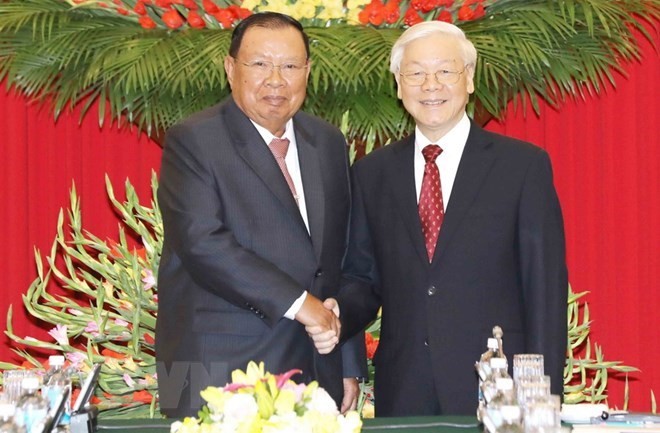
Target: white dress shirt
{"x":293,"y":166}
{"x":452,"y":144}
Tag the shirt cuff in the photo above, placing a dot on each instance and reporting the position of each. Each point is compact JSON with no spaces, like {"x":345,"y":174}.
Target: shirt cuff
{"x":295,"y":307}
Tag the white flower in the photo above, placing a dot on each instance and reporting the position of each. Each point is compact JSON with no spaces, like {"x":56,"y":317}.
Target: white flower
{"x":350,"y":423}
{"x":239,"y":407}
{"x":322,"y":402}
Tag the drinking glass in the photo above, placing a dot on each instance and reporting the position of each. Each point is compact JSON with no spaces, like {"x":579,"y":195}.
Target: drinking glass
{"x":542,"y":414}
{"x":527,"y":364}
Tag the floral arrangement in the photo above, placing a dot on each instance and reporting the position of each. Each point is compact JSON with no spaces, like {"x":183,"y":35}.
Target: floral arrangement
{"x":258,"y":401}
{"x":105,"y":310}
{"x":199,"y":14}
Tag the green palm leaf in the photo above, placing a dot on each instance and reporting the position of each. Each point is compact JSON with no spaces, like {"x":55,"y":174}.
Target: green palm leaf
{"x":529,"y":50}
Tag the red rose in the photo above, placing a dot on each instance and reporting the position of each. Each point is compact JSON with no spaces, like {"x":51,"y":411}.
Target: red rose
{"x":374,"y":13}
{"x":225,"y":17}
{"x":172,"y":19}
{"x":209,"y":6}
{"x":140,"y":8}
{"x":391,"y":12}
{"x":445,"y":16}
{"x":411,"y":17}
{"x":147,"y":22}
{"x":479,"y":11}
{"x":465,"y":13}
{"x":195,"y":20}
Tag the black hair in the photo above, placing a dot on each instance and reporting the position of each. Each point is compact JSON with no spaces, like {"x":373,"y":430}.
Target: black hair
{"x":269,"y":20}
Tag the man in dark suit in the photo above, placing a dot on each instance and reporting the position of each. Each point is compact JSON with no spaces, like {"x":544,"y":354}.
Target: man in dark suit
{"x":451,"y":240}
{"x":255,"y":202}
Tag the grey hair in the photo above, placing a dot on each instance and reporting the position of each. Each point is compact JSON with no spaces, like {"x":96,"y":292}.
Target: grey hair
{"x":432,"y":28}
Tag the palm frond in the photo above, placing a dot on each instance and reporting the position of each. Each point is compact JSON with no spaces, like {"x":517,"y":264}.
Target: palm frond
{"x":528,"y":50}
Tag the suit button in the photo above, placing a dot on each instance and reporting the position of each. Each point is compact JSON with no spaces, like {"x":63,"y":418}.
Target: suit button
{"x":431,"y":291}
{"x":319,"y":273}
{"x":426,"y":342}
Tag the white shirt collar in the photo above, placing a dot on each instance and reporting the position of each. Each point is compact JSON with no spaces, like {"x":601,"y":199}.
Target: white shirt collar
{"x":268,"y":136}
{"x":451,"y":142}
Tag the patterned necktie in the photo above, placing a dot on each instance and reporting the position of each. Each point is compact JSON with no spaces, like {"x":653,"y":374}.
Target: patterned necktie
{"x":431,"y":210}
{"x":279,"y":147}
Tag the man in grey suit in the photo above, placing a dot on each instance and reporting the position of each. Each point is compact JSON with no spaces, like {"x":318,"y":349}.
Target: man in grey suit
{"x":255,"y":202}
{"x":453,"y":230}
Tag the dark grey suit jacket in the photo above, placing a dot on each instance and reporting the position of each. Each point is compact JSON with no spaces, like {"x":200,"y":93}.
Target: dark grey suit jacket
{"x":237,"y":254}
{"x":499,"y":260}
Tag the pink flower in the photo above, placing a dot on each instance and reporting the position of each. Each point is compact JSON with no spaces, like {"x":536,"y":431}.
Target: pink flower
{"x":92,"y":328}
{"x":75,"y":358}
{"x":121,"y":322}
{"x":129,"y":380}
{"x":60,"y":335}
{"x":149,"y":280}
{"x":74,"y":312}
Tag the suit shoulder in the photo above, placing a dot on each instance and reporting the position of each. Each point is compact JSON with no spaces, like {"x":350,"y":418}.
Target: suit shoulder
{"x":379,"y":156}
{"x":315,"y":124}
{"x":509,"y":144}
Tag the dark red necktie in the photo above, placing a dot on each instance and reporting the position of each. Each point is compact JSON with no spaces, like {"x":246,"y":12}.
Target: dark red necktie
{"x":431,"y":210}
{"x":279,"y":147}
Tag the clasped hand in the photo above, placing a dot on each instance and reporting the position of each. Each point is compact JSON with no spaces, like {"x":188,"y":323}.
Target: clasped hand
{"x":321,"y":320}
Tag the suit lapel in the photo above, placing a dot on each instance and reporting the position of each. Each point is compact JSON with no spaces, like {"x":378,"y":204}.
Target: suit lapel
{"x":402,"y":181}
{"x":312,"y":178}
{"x":251,"y":147}
{"x":472,"y":171}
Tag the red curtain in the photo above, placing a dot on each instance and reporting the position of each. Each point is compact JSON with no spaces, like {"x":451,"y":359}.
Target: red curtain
{"x":606,"y":160}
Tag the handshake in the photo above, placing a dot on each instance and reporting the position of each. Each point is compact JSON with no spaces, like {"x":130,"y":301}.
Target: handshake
{"x":321,"y":320}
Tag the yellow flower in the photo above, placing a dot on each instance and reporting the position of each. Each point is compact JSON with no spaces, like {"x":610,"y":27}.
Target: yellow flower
{"x":188,"y":425}
{"x":333,"y":9}
{"x":352,"y":17}
{"x":303,"y":10}
{"x":129,"y":364}
{"x":252,"y":374}
{"x":216,"y":398}
{"x":285,"y":402}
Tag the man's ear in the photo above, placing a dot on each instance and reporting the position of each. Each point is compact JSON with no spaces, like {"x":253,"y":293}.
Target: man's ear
{"x":229,"y":69}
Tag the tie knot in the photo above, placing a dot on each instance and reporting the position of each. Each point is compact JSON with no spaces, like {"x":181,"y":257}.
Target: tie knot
{"x":431,"y":152}
{"x":279,"y":147}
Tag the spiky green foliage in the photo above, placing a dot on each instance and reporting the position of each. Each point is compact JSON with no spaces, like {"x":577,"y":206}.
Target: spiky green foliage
{"x":529,"y":49}
{"x":108,"y":312}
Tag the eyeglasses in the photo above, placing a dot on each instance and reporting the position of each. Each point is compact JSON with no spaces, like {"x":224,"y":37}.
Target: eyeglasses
{"x":264,"y":68}
{"x":443,"y":76}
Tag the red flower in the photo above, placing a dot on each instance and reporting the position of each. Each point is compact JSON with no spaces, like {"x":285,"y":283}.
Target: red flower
{"x":112,"y":354}
{"x":372,"y":345}
{"x":143,"y":396}
{"x":172,"y":19}
{"x":122,"y":11}
{"x":147,"y":22}
{"x":225,"y":17}
{"x":140,"y":8}
{"x":445,"y":16}
{"x":209,"y":6}
{"x":190,"y":4}
{"x":391,"y":11}
{"x":373,"y":13}
{"x":445,"y":3}
{"x":425,"y":6}
{"x":195,"y":20}
{"x":164,"y":3}
{"x":148,"y":339}
{"x":479,"y":12}
{"x":239,"y":13}
{"x":411,"y":17}
{"x":465,"y":13}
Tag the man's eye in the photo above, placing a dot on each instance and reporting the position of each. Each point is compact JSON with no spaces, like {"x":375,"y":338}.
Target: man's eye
{"x":260,"y":65}
{"x":445,"y":72}
{"x":290,"y":66}
{"x":417,"y":74}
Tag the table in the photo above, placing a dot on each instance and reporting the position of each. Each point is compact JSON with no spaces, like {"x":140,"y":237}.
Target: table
{"x":435,"y":424}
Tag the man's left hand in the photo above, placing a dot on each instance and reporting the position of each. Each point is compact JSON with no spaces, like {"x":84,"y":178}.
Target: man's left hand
{"x":351,"y":394}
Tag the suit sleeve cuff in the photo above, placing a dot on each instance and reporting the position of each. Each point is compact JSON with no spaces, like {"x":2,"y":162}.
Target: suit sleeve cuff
{"x":295,"y":307}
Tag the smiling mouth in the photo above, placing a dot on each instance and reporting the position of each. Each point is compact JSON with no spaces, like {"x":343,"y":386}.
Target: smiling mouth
{"x":433,"y":102}
{"x":275,"y":100}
